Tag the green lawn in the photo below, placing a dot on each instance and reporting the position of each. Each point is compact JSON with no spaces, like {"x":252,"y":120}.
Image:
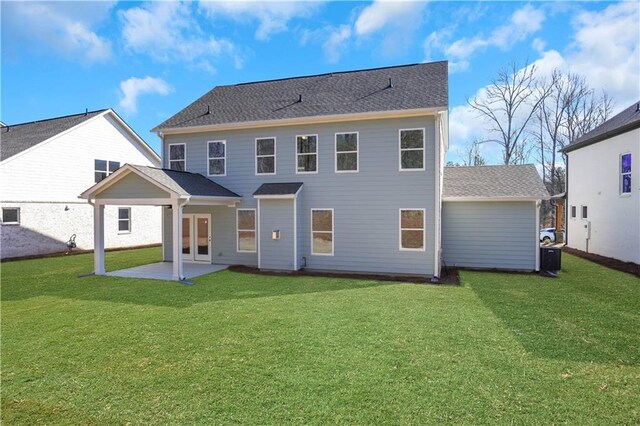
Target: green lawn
{"x":247,"y":349}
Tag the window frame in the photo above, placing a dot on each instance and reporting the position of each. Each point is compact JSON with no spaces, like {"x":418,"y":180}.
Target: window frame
{"x":17,"y":209}
{"x":224,"y":142}
{"x":424,"y":150}
{"x":254,"y":230}
{"x":169,"y":160}
{"x":275,"y":160}
{"x":332,"y":232}
{"x":584,"y":209}
{"x":316,"y":154}
{"x":573,"y":212}
{"x":424,"y":229}
{"x":621,"y":193}
{"x":107,"y":171}
{"x":357,"y":152}
{"x":128,"y":220}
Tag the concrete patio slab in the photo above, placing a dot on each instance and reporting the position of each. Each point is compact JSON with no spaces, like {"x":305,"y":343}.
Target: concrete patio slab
{"x":164,"y":271}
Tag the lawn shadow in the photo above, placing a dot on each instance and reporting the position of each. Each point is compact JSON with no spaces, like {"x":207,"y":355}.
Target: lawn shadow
{"x":588,"y":314}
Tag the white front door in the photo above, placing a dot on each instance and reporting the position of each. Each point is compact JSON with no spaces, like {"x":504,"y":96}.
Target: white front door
{"x":196,"y":238}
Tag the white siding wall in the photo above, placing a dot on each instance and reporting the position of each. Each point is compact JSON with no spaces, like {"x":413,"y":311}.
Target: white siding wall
{"x":594,"y":181}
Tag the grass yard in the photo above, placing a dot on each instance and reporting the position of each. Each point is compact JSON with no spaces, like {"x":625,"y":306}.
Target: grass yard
{"x":247,"y":349}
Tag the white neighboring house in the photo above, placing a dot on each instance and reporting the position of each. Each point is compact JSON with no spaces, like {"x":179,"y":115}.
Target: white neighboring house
{"x":46,"y":164}
{"x":603,"y":188}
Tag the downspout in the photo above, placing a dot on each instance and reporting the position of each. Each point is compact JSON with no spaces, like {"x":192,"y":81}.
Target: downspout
{"x":438,"y":199}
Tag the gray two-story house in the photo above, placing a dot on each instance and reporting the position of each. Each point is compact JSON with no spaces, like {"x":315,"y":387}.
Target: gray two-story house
{"x":332,"y":172}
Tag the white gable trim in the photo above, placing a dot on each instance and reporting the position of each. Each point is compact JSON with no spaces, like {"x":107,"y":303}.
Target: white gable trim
{"x":119,"y":174}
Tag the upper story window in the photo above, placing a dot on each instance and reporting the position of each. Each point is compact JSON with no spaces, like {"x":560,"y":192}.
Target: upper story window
{"x":412,"y":229}
{"x":625,"y":174}
{"x":307,"y":154}
{"x":178,"y":156}
{"x":266,"y":156}
{"x":573,"y":212}
{"x":346,"y":152}
{"x":103,"y":168}
{"x":217,"y":151}
{"x":11,"y":215}
{"x":412,"y":149}
{"x":124,"y":220}
{"x":584,"y":212}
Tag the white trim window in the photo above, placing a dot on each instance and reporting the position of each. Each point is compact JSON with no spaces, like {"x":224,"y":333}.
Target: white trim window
{"x":217,"y":156}
{"x":347,"y":156}
{"x":412,"y":225}
{"x":412,"y":152}
{"x":103,"y":168}
{"x":178,"y":156}
{"x":625,"y":174}
{"x":322,"y":232}
{"x":265,"y":156}
{"x":11,"y":215}
{"x":246,"y":230}
{"x":124,"y":220}
{"x":306,"y":154}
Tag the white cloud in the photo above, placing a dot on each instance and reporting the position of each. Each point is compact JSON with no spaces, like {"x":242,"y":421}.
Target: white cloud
{"x":66,"y":28}
{"x":167,"y":31}
{"x":134,"y":87}
{"x":538,"y":44}
{"x":335,"y":44}
{"x":272,"y":16}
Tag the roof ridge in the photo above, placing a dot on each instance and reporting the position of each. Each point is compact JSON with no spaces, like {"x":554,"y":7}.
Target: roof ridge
{"x":55,"y":118}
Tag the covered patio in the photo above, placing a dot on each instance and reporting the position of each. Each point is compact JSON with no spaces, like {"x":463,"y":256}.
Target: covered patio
{"x":133,"y":185}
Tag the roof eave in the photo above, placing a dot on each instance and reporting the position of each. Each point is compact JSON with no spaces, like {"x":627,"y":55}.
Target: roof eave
{"x":599,"y":138}
{"x":496,"y":199}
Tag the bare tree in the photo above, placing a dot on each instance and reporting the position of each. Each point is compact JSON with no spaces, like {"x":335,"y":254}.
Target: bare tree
{"x":508,"y":106}
{"x":471,"y":155}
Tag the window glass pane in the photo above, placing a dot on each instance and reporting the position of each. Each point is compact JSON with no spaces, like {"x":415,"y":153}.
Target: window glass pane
{"x":100,"y":165}
{"x":573,"y":211}
{"x":322,"y":220}
{"x":176,"y":165}
{"x":412,"y":239}
{"x":626,"y":183}
{"x":307,"y":163}
{"x":123,"y":213}
{"x":186,"y":235}
{"x":176,"y":152}
{"x":411,"y":139}
{"x":322,"y":242}
{"x":584,"y":212}
{"x":123,"y":225}
{"x":10,"y":215}
{"x":347,"y":142}
{"x":247,"y":240}
{"x":265,"y":146}
{"x":246,"y":219}
{"x":202,"y":232}
{"x":99,"y":176}
{"x":266,"y":165}
{"x":216,"y":167}
{"x":412,"y":159}
{"x":307,"y":144}
{"x":216,"y":149}
{"x":113,"y":166}
{"x":412,"y":219}
{"x":626,"y":163}
{"x":347,"y":161}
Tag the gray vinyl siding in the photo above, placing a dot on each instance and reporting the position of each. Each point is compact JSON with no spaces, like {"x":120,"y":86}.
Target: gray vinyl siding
{"x":365,"y":204}
{"x":277,"y":254}
{"x":500,"y":235}
{"x":133,"y":186}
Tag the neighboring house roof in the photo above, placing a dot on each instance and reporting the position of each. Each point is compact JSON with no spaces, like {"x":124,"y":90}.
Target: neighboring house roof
{"x":185,"y":183}
{"x":625,"y":121}
{"x":493,"y":182}
{"x":398,"y":88}
{"x":16,"y":138}
{"x":278,"y":189}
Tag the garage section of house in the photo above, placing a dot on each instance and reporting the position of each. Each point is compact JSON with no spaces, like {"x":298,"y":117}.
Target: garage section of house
{"x":490,"y":217}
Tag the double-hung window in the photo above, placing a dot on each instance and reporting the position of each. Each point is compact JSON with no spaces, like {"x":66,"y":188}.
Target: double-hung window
{"x":11,"y":215}
{"x":412,"y":229}
{"x":217,"y":151}
{"x":412,"y":149}
{"x":625,"y":174}
{"x":307,"y":154}
{"x":103,"y":168}
{"x":346,"y":152}
{"x":246,"y":230}
{"x":124,"y":220}
{"x":322,"y":232}
{"x":266,"y":156}
{"x":178,"y":156}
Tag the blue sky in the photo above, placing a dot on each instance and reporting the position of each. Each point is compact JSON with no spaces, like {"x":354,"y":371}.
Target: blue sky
{"x":148,"y":60}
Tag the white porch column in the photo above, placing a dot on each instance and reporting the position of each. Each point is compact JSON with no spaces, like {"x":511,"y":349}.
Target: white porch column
{"x":177,"y":241}
{"x":98,"y":239}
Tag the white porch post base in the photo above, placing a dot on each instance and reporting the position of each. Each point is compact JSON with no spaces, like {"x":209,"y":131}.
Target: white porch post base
{"x":98,"y":239}
{"x":177,"y":242}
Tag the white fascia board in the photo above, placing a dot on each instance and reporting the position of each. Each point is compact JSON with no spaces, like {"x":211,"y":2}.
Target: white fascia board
{"x":485,"y":199}
{"x":116,"y":176}
{"x":277,"y":197}
{"x":303,"y":120}
{"x":197,"y":200}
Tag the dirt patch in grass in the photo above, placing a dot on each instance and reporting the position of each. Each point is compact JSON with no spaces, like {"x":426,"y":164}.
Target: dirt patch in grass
{"x":609,"y":262}
{"x":450,"y":276}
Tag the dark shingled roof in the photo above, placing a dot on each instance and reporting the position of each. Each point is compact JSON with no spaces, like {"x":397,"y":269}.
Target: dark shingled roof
{"x":185,"y":183}
{"x":628,"y":119}
{"x":289,"y":188}
{"x":521,"y":181}
{"x":412,"y":87}
{"x":16,"y":138}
